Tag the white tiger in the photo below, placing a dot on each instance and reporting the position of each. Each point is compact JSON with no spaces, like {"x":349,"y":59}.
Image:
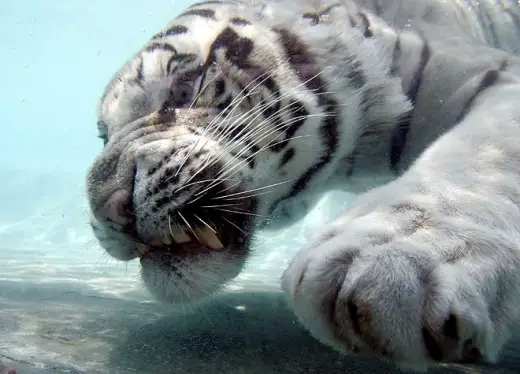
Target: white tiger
{"x":240,"y":114}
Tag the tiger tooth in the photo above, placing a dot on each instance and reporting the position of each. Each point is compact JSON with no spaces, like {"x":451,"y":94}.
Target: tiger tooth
{"x":209,"y":238}
{"x":180,"y":237}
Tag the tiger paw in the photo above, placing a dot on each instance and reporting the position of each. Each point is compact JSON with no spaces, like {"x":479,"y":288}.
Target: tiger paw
{"x":403,"y":284}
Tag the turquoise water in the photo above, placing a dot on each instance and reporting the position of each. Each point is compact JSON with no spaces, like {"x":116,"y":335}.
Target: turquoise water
{"x":64,"y":306}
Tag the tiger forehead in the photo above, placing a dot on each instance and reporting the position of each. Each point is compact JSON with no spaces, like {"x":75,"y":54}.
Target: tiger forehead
{"x":189,"y":38}
{"x":187,"y":42}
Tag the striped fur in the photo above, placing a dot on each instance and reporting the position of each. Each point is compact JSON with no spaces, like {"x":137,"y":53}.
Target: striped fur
{"x":241,"y":114}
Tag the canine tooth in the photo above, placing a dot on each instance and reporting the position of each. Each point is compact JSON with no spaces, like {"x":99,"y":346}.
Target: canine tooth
{"x":209,"y":238}
{"x":181,"y":237}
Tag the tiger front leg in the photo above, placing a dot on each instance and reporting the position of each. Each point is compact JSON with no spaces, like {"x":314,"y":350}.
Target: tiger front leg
{"x":408,"y":282}
{"x":427,"y":268}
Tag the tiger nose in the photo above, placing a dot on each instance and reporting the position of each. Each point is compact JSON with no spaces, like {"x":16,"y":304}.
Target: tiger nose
{"x":116,"y":210}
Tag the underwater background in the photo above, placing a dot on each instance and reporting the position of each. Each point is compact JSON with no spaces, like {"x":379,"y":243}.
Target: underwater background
{"x":65,"y":306}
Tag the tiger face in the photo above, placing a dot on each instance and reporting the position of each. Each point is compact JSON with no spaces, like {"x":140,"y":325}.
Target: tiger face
{"x":207,"y":130}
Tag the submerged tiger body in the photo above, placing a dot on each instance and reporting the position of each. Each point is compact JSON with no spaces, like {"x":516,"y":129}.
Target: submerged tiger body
{"x":241,"y":114}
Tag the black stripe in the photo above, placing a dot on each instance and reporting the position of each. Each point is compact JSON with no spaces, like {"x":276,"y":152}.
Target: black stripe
{"x":396,"y":55}
{"x":225,"y":105}
{"x":240,"y":21}
{"x":208,"y":2}
{"x":238,"y":48}
{"x":398,"y":140}
{"x":451,"y":327}
{"x":140,"y":68}
{"x":269,"y":111}
{"x":367,"y":32}
{"x":174,"y":30}
{"x":272,"y":86}
{"x":160,"y":46}
{"x":237,"y":134}
{"x":314,"y":17}
{"x":301,"y":61}
{"x":329,"y":135}
{"x":287,"y":156}
{"x":180,"y":58}
{"x":299,"y":116}
{"x":432,"y":346}
{"x":402,"y":128}
{"x":220,"y":88}
{"x":274,"y":109}
{"x":304,"y":66}
{"x":246,"y":157}
{"x":488,"y":79}
{"x":204,"y":13}
{"x":355,"y":73}
{"x":417,"y":79}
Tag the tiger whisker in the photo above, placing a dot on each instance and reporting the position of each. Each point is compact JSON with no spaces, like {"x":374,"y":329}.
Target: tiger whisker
{"x":247,"y":196}
{"x":218,"y":205}
{"x":258,"y":83}
{"x":265,"y":134}
{"x":240,"y":212}
{"x":234,"y":225}
{"x":255,"y":112}
{"x":190,"y":107}
{"x":207,"y":225}
{"x":248,"y":191}
{"x":229,"y":128}
{"x":243,"y":162}
{"x":259,"y":128}
{"x":287,"y":124}
{"x":200,"y":194}
{"x":205,"y":87}
{"x":188,"y":225}
{"x":241,"y":98}
{"x":230,"y":186}
{"x":193,"y":184}
{"x":170,"y":226}
{"x":143,"y":205}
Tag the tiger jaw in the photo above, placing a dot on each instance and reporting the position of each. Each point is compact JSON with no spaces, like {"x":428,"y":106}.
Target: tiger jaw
{"x":203,"y":237}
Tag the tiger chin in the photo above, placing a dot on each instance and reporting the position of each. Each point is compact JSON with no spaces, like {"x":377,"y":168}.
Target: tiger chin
{"x":240,"y":115}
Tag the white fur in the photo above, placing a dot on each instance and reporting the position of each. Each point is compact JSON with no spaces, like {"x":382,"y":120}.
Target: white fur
{"x":453,"y":247}
{"x":442,"y":239}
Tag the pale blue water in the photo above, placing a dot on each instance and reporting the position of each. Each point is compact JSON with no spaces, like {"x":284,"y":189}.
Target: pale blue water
{"x":64,"y":306}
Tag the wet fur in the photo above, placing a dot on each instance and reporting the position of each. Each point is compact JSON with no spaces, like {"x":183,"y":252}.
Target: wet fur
{"x":425,"y":266}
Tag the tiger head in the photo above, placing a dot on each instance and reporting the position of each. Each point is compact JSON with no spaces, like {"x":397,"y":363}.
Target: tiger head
{"x":210,"y":131}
